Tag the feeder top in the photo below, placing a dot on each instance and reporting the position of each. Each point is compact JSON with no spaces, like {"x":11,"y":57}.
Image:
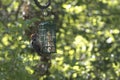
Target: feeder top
{"x":42,"y":7}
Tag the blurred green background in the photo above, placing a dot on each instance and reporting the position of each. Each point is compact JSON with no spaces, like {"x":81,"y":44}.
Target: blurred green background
{"x":88,"y":37}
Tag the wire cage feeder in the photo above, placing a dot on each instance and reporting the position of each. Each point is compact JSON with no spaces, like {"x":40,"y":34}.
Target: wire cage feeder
{"x":47,"y":37}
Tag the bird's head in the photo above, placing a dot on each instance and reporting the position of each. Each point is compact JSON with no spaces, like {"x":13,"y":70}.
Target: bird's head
{"x":34,"y":36}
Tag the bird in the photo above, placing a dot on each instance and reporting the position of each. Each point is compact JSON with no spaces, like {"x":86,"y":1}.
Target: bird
{"x":36,"y":43}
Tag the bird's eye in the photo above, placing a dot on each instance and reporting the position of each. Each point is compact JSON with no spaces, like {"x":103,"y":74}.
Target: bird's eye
{"x":34,"y":39}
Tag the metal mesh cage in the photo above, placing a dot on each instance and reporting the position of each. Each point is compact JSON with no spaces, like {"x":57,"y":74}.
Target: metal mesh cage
{"x":47,"y":37}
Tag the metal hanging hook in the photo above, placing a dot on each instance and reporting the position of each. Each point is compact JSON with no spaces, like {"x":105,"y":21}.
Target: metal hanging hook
{"x":42,"y":7}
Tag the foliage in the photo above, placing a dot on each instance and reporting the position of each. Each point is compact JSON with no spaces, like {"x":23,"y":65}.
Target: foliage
{"x":87,"y":40}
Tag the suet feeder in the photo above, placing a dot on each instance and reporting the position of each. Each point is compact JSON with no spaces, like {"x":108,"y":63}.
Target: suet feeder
{"x":47,"y":37}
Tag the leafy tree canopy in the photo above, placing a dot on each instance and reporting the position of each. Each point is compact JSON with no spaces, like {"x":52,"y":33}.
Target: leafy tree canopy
{"x":87,"y":40}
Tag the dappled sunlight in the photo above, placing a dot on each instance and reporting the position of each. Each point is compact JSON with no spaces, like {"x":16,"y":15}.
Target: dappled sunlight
{"x":87,"y":45}
{"x":74,"y":9}
{"x":5,"y":40}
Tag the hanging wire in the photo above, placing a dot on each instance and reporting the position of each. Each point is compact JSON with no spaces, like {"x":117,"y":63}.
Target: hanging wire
{"x":42,"y":7}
